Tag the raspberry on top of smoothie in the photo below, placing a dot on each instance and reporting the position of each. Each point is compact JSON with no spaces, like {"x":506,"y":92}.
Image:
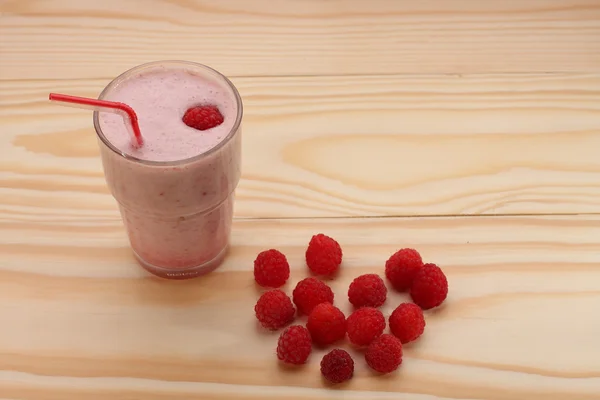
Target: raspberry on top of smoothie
{"x":203,"y":117}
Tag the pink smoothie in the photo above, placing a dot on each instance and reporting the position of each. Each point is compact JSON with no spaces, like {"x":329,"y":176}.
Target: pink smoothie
{"x":176,"y":191}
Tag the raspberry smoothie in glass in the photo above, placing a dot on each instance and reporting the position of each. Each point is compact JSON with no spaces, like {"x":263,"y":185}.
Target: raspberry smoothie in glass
{"x":176,"y":191}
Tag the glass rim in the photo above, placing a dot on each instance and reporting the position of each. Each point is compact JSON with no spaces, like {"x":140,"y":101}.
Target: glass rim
{"x":129,"y":157}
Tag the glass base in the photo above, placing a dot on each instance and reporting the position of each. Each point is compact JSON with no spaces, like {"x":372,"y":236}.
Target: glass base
{"x":184,"y":273}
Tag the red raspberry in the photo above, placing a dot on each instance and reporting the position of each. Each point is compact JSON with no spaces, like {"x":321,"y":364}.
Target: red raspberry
{"x":274,"y":309}
{"x":401,"y":267}
{"x":407,"y":322}
{"x":203,"y":117}
{"x":430,"y":287}
{"x":326,"y":324}
{"x":337,"y":366}
{"x":309,"y":292}
{"x":271,"y":268}
{"x":364,"y":325}
{"x":384,"y":354}
{"x":294,"y":345}
{"x":367,"y":291}
{"x":323,"y":255}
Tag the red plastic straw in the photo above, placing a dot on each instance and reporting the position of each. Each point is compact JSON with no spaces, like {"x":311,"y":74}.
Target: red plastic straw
{"x":104,"y":105}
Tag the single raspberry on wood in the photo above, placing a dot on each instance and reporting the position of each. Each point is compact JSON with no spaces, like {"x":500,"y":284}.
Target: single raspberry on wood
{"x":294,"y":345}
{"x":367,"y":291}
{"x":364,"y":325}
{"x":274,"y":309}
{"x":323,"y":255}
{"x":271,"y":268}
{"x":310,"y":292}
{"x":384,"y":354}
{"x":326,"y":324}
{"x":407,"y":322}
{"x":430,"y":287}
{"x":337,"y":366}
{"x":401,"y":267}
{"x":203,"y":117}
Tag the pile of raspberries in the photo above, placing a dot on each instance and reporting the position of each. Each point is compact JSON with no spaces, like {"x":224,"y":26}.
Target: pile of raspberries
{"x":327,"y":324}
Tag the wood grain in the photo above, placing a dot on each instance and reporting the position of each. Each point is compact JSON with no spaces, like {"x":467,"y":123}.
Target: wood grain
{"x":335,"y":146}
{"x":518,"y":323}
{"x":60,"y":39}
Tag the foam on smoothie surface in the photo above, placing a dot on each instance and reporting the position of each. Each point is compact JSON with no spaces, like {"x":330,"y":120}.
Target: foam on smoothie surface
{"x":160,"y":97}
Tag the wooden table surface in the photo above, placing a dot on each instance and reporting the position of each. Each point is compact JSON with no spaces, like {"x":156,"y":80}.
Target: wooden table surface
{"x":468,"y":129}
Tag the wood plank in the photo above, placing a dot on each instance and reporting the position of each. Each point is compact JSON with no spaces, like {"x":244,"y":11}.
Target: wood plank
{"x":335,"y":146}
{"x":82,"y":320}
{"x":60,"y":39}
